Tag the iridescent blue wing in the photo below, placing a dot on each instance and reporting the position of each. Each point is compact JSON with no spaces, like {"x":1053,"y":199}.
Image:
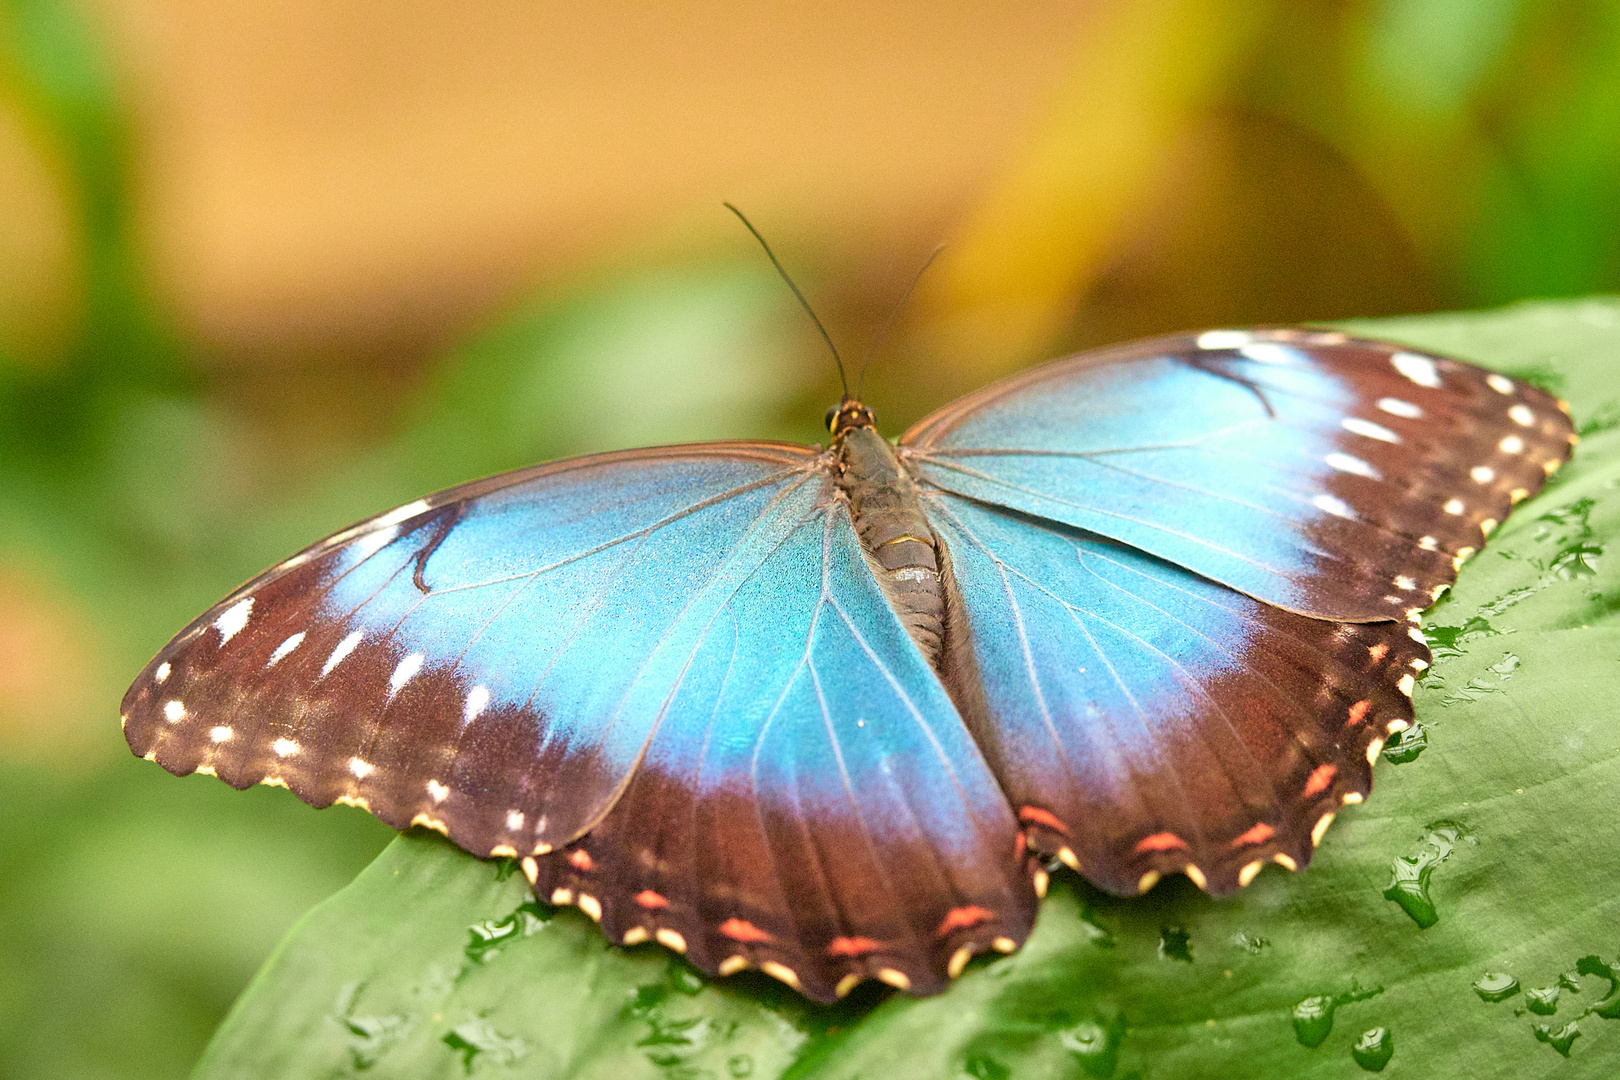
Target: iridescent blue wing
{"x":1329,"y":476}
{"x":666,"y":679}
{"x":812,"y":804}
{"x":1190,"y":572}
{"x":1144,"y":719}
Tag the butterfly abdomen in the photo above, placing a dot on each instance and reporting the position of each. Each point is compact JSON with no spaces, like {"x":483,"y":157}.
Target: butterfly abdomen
{"x":900,"y":545}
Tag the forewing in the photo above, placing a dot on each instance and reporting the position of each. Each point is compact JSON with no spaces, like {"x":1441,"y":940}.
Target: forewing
{"x":812,"y":805}
{"x":1331,"y":476}
{"x":1143,"y":719}
{"x":491,"y":661}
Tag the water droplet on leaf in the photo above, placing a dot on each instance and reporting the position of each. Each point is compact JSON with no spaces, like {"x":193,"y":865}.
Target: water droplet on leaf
{"x":1374,"y":1049}
{"x":1543,"y":1002}
{"x":1095,"y":1044}
{"x":478,"y":1038}
{"x":1313,"y":1019}
{"x":1496,"y":986}
{"x":1175,"y":944}
{"x":1559,"y":1040}
{"x":1406,"y":746}
{"x":1409,"y":883}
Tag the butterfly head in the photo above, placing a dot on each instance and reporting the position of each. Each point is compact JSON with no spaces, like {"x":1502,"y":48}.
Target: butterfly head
{"x":848,"y":414}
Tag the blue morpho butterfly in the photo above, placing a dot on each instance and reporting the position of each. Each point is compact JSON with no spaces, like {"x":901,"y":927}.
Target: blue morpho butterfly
{"x":830,"y":712}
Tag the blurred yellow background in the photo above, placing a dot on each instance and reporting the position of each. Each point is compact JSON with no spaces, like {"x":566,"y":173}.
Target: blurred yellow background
{"x":265,"y":269}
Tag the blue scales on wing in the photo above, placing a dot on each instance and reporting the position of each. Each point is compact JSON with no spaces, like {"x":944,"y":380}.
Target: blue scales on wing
{"x":1330,"y":476}
{"x":1144,"y":719}
{"x":665,"y":680}
{"x":1190,"y":572}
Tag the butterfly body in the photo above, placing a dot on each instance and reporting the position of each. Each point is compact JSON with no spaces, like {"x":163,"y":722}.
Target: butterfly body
{"x":829,"y":713}
{"x":887,"y":514}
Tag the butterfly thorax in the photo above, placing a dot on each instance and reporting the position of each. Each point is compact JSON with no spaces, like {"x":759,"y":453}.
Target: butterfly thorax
{"x":900,"y":545}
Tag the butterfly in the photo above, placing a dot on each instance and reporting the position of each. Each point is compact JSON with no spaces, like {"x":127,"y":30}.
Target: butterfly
{"x":834,"y":713}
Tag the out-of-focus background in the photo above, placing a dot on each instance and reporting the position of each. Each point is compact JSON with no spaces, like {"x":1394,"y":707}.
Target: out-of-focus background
{"x":268,"y":268}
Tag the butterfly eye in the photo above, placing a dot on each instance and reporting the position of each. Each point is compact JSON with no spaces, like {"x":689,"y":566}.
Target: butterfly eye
{"x":832,"y":417}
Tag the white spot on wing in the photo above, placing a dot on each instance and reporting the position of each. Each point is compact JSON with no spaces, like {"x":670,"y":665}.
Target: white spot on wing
{"x":1335,"y":506}
{"x":1482,"y":474}
{"x":514,"y":820}
{"x":1500,"y":383}
{"x":161,"y":675}
{"x":285,"y":748}
{"x":220,"y":734}
{"x":1346,"y":463}
{"x":1367,"y":429}
{"x":284,"y":648}
{"x":1404,"y":582}
{"x":477,"y":699}
{"x":1454,"y":506}
{"x":1419,"y":369}
{"x":405,"y":672}
{"x":1224,"y":339}
{"x":1428,"y":543}
{"x":1267,"y":352}
{"x":1511,"y":445}
{"x":344,"y":648}
{"x":398,"y":514}
{"x":174,"y":712}
{"x":230,"y":623}
{"x":371,"y":543}
{"x":1404,"y":409}
{"x":361,"y":769}
{"x":1521,"y":415}
{"x":438,"y":791}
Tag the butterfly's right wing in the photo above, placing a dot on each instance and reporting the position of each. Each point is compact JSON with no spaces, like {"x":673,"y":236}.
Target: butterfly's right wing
{"x":1327,"y":475}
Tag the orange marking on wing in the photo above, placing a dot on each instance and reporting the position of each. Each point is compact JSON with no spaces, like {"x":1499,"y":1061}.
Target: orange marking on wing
{"x":1358,"y":712}
{"x":1034,"y":815}
{"x":1020,"y":845}
{"x":649,"y":899}
{"x":963,"y":917}
{"x":1320,"y":778}
{"x":853,"y":946}
{"x":1378,"y":651}
{"x":1163,"y":841}
{"x":581,"y":859}
{"x":1258,"y":834}
{"x":741,"y":930}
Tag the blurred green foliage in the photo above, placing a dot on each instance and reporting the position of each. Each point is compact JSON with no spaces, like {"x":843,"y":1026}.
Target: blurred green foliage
{"x":135,"y":490}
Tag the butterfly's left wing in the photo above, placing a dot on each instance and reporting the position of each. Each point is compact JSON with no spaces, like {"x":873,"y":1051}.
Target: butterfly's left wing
{"x":666,"y":679}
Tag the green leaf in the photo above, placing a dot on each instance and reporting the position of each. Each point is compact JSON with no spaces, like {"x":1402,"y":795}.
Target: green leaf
{"x":1482,"y":864}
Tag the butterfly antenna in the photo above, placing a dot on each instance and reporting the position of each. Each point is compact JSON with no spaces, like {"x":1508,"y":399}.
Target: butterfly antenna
{"x":808,"y":310}
{"x":894,"y":317}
